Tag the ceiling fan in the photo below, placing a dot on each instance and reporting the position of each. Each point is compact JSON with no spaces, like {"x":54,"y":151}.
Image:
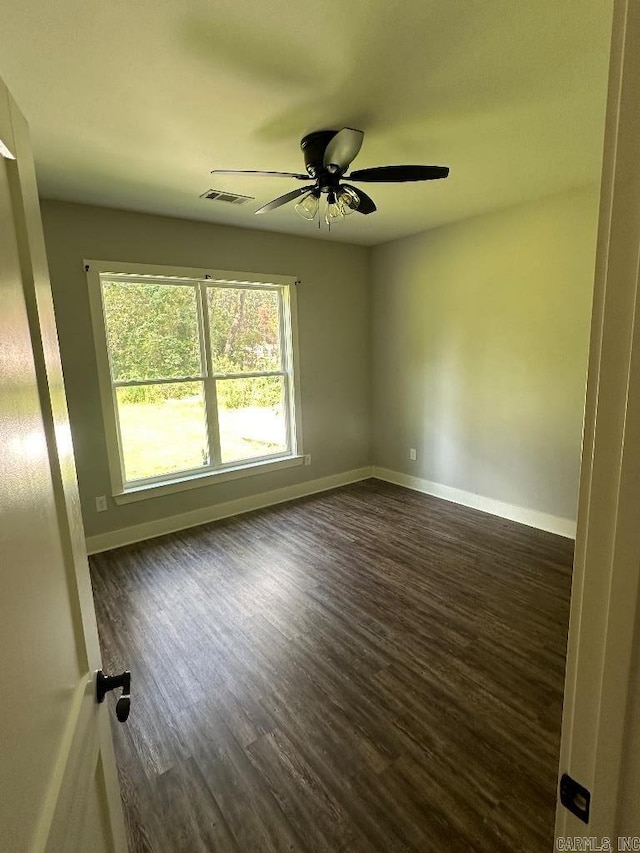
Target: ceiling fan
{"x":327,"y":156}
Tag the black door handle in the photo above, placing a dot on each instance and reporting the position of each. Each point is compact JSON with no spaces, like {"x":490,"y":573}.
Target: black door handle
{"x":105,"y":683}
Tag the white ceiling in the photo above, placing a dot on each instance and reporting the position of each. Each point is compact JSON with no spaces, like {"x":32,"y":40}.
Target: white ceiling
{"x":131,"y":104}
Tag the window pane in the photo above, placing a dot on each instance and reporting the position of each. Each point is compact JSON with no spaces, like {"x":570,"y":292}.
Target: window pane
{"x":244,"y":329}
{"x":162,"y":428}
{"x":251,"y":415}
{"x":152,"y":330}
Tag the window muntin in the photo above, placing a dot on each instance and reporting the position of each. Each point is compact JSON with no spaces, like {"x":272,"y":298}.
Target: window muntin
{"x":207,"y":382}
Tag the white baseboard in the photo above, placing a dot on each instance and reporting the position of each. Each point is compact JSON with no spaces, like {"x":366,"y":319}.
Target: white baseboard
{"x":542,"y":520}
{"x":158,"y":527}
{"x":170,"y":524}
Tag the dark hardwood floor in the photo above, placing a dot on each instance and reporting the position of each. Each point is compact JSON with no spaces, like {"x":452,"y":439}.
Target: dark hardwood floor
{"x":365,"y":670}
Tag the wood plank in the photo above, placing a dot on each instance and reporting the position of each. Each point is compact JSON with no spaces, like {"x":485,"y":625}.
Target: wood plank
{"x":369,"y":669}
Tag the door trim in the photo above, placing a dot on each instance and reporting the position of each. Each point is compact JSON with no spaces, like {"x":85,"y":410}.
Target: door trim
{"x":607,"y":562}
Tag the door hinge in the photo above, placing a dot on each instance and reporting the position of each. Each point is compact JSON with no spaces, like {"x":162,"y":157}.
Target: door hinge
{"x":575,"y":797}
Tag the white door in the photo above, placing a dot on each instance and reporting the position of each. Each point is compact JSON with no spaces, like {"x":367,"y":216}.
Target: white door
{"x":58,"y":782}
{"x":601,"y":719}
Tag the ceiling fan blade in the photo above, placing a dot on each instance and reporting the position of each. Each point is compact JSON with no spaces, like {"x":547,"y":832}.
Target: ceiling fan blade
{"x":261,"y":174}
{"x":367,"y":204}
{"x":283,"y":199}
{"x":342,"y":149}
{"x":399,"y":174}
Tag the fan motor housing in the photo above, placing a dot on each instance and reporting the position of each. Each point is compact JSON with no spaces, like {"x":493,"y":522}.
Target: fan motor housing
{"x":313,"y":147}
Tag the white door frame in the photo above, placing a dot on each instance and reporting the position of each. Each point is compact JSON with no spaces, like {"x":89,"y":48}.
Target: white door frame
{"x":606,"y":579}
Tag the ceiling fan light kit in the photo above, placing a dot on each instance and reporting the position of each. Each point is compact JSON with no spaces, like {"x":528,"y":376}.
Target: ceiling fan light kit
{"x":348,"y":200}
{"x":327,"y":156}
{"x":308,"y":205}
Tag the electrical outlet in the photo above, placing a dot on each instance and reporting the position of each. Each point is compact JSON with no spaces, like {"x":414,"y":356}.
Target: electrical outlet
{"x":101,"y":503}
{"x":307,"y":459}
{"x":412,"y":454}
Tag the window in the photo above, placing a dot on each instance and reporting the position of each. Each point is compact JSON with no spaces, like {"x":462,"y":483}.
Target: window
{"x":196,"y":374}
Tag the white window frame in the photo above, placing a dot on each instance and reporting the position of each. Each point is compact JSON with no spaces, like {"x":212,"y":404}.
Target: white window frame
{"x":124,"y":491}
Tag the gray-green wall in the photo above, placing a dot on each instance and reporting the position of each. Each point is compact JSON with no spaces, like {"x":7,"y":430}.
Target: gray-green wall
{"x":334,"y":329}
{"x":480,"y":340}
{"x":468,"y":343}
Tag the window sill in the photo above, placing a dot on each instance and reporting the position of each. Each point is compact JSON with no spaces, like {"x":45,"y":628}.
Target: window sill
{"x":181,"y":484}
